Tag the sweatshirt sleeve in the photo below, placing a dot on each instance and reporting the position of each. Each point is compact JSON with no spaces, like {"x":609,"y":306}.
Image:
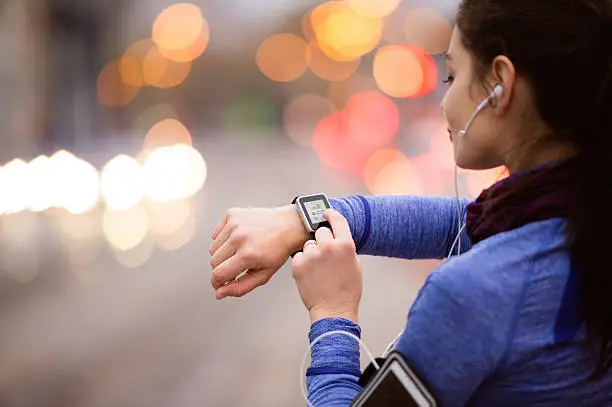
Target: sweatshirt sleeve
{"x":332,"y":378}
{"x":404,"y":226}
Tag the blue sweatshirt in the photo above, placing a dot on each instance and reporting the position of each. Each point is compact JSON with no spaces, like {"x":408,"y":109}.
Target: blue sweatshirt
{"x":496,"y":326}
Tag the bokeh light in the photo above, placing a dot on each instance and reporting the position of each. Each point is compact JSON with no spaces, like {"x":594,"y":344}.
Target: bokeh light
{"x":342,"y":34}
{"x":335,"y":148}
{"x":178,"y":26}
{"x":131,"y":62}
{"x":15,"y":184}
{"x":136,"y":256}
{"x":162,"y":72}
{"x":82,"y":190}
{"x":377,"y":162}
{"x":302,"y":114}
{"x":282,"y":57}
{"x":153,"y":115}
{"x":306,"y":26}
{"x":122,"y":182}
{"x":126,"y":229}
{"x":168,"y":217}
{"x":372,"y":119}
{"x":166,"y":133}
{"x":428,"y":29}
{"x":178,"y":238}
{"x":374,"y":8}
{"x":175,"y":172}
{"x":190,"y":53}
{"x":41,"y":184}
{"x":399,"y":176}
{"x":112,"y":91}
{"x":329,"y":69}
{"x":404,"y":71}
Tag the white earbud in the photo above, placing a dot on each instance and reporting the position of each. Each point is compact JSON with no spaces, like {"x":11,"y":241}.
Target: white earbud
{"x":497,"y":92}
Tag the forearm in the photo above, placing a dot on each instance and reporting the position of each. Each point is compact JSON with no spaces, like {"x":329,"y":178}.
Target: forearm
{"x":334,"y":372}
{"x":403,"y":226}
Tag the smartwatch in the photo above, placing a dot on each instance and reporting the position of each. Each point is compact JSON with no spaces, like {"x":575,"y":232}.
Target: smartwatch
{"x":311,"y":209}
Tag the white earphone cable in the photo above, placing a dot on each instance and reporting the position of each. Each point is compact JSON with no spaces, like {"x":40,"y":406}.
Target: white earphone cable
{"x":326,"y":334}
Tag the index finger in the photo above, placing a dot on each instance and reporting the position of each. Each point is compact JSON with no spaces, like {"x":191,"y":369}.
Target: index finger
{"x":219,"y":226}
{"x":339,"y":225}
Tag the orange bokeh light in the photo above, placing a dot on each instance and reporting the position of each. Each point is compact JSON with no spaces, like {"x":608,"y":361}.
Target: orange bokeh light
{"x":372,"y":119}
{"x":130,"y":64}
{"x":282,"y":57}
{"x":166,"y":133}
{"x":379,"y":160}
{"x":192,"y":51}
{"x":405,"y":71}
{"x":329,"y":69}
{"x":302,"y":114}
{"x":341,"y":33}
{"x":178,"y":26}
{"x":112,"y":91}
{"x":306,"y":26}
{"x":374,"y":8}
{"x":428,"y":29}
{"x":398,"y":177}
{"x":163,"y":73}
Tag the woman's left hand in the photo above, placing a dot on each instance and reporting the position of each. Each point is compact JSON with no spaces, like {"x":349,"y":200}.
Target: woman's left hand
{"x":328,"y":272}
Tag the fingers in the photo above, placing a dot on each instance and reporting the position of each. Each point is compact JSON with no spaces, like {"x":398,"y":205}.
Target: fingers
{"x":226,"y":251}
{"x":219,"y":227}
{"x":221,"y":239}
{"x":309,"y":246}
{"x":240,"y":287}
{"x":324,"y":236}
{"x":228,"y":270}
{"x":339,"y":225}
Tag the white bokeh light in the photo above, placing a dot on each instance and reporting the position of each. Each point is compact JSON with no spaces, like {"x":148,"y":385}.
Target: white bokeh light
{"x":174,"y":172}
{"x":41,"y":186}
{"x":122,"y":182}
{"x":15,"y":187}
{"x":84,"y":191}
{"x":126,"y":229}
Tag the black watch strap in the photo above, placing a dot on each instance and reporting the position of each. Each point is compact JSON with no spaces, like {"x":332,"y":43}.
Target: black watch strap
{"x":312,"y":235}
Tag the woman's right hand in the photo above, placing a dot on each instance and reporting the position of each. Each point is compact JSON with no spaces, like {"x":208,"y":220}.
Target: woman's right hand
{"x":255,"y":240}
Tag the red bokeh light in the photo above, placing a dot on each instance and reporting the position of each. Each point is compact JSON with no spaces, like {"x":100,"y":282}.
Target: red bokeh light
{"x":372,"y":118}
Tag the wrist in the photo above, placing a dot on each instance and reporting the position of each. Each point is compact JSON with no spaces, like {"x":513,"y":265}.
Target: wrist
{"x":317,"y":314}
{"x":295,"y":233}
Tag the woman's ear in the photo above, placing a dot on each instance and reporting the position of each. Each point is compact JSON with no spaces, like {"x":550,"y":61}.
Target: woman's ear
{"x":504,"y":74}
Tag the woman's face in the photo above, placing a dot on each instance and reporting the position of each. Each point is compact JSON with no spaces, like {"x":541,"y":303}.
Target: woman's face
{"x":477,"y":148}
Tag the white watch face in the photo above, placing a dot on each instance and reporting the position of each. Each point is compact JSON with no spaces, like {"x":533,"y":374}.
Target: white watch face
{"x":314,"y":210}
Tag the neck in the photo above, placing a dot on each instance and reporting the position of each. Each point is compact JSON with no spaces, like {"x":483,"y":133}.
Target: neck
{"x":537,"y":156}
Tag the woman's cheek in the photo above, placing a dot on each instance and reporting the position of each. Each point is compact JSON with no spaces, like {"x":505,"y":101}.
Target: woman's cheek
{"x":448,"y":109}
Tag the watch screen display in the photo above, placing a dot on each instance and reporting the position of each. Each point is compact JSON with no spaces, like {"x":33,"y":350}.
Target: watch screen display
{"x":315,"y":210}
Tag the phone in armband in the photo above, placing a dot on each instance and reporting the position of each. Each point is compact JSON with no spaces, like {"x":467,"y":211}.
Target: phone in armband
{"x":395,"y":384}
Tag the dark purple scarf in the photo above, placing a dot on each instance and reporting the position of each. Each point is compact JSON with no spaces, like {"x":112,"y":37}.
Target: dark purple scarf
{"x":527,"y":196}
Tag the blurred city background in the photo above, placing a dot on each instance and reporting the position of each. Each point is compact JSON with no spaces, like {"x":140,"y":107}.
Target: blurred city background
{"x":128,"y":127}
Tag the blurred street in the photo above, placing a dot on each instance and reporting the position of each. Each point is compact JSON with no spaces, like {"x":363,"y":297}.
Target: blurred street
{"x":156,"y":336}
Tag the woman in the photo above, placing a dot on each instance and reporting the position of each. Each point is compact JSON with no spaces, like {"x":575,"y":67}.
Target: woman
{"x":523,"y":317}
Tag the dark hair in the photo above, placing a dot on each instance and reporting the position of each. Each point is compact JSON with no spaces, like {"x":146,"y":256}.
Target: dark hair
{"x":563,"y":48}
